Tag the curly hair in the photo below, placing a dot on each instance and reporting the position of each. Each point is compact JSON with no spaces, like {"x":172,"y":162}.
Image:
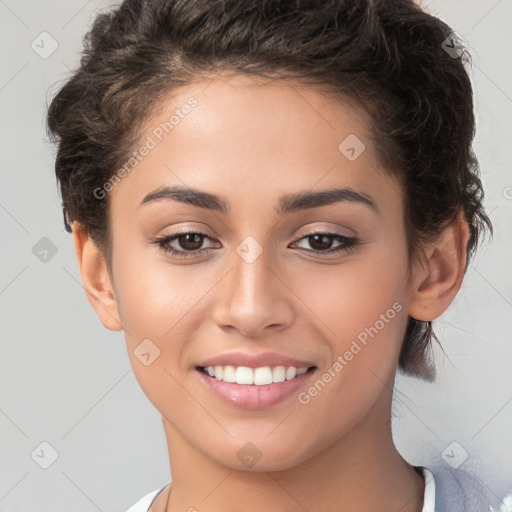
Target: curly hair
{"x":387,"y":55}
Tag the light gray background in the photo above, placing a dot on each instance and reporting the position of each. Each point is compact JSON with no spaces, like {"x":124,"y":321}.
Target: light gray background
{"x":66,"y":380}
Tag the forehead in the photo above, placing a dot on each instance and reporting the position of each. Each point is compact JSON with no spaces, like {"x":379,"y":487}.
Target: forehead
{"x":266,"y":138}
{"x":248,"y":114}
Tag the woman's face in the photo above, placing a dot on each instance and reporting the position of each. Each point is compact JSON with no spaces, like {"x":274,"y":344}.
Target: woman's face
{"x":282,"y":272}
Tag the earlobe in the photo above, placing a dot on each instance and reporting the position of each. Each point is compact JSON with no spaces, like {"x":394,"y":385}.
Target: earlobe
{"x":437,"y":282}
{"x":95,"y":279}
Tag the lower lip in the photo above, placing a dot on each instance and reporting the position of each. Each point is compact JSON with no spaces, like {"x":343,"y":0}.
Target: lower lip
{"x":252,"y":396}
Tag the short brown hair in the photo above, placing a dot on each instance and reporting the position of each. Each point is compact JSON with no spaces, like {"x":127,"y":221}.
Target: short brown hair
{"x":387,"y":55}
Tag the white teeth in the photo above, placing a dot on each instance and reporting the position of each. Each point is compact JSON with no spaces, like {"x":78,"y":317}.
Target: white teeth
{"x":244,"y":375}
{"x":262,"y":376}
{"x":229,"y":374}
{"x":291,"y":372}
{"x":279,"y":374}
{"x":219,"y":372}
{"x":257,"y":376}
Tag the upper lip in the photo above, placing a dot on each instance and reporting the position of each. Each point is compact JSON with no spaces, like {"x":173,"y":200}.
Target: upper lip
{"x":254,"y":360}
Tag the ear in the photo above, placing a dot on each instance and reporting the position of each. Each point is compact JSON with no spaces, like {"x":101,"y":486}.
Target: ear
{"x":438,"y":280}
{"x":95,"y":278}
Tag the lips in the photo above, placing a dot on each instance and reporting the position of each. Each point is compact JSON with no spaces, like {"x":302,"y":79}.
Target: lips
{"x":271,"y":359}
{"x":254,"y":381}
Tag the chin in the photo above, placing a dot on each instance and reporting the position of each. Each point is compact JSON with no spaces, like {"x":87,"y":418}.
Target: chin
{"x":262,"y":455}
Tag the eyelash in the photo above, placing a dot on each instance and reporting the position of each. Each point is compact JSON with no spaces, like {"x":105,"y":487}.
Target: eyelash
{"x":348,"y":243}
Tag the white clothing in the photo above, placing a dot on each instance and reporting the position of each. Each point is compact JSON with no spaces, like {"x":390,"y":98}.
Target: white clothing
{"x":428,"y":503}
{"x":452,"y":490}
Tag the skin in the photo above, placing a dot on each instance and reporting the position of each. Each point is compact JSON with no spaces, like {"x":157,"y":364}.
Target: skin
{"x":251,"y":142}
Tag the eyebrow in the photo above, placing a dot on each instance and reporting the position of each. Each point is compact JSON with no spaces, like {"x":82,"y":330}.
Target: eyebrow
{"x":287,"y":204}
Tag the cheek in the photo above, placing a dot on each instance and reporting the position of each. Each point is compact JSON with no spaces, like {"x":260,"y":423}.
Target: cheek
{"x":157,"y":307}
{"x":155,"y":295}
{"x":165,"y":304}
{"x":368,"y":288}
{"x":363,"y":306}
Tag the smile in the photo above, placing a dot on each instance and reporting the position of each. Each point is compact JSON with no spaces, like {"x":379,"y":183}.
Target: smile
{"x":261,"y":376}
{"x":254,"y":388}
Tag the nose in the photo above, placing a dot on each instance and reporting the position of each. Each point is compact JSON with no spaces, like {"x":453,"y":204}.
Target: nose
{"x":253,"y":297}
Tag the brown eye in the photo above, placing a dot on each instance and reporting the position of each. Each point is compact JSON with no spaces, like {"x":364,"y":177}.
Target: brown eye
{"x":184,"y":244}
{"x":320,"y":242}
{"x":190,"y":241}
{"x":323,"y":243}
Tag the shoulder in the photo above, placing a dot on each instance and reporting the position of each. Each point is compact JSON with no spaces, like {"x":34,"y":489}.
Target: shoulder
{"x":145,"y":502}
{"x":460,"y":490}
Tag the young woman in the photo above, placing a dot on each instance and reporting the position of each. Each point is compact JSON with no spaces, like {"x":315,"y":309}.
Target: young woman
{"x":273,"y":200}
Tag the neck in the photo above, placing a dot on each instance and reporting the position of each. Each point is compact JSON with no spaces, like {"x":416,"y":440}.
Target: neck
{"x":362,"y":471}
